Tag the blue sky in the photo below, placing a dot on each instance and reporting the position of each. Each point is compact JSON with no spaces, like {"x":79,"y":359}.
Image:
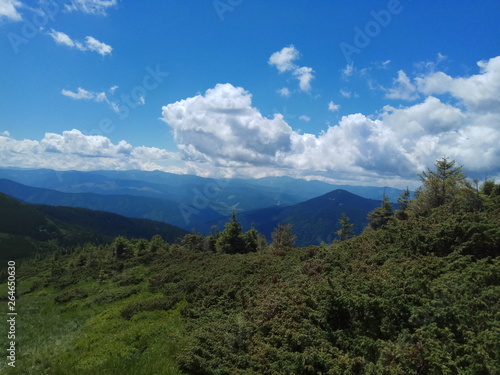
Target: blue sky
{"x":364,"y":92}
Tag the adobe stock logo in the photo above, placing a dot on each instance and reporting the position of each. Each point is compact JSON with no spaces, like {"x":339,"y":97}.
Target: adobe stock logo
{"x":223,"y":6}
{"x":372,"y":29}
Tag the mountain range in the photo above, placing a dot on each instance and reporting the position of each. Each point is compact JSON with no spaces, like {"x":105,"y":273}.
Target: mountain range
{"x":195,"y":203}
{"x":26,"y":229}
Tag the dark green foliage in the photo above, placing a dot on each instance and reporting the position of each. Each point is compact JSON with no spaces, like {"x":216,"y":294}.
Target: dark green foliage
{"x":193,"y":242}
{"x":345,"y":232}
{"x":446,"y":186}
{"x":380,"y":216}
{"x":231,"y":240}
{"x":419,"y":295}
{"x":404,"y":205}
{"x":28,"y":229}
{"x":283,"y":239}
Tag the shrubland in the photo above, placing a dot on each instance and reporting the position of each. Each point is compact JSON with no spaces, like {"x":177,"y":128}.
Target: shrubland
{"x":418,"y":292}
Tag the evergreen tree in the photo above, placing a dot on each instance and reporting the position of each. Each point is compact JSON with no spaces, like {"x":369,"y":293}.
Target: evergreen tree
{"x":254,"y":241}
{"x":121,"y":248}
{"x":231,"y":239}
{"x":381,"y":215}
{"x":282,"y":239}
{"x":345,"y":232}
{"x":439,"y":187}
{"x":404,"y":205}
{"x":193,"y":241}
{"x":156,"y":244}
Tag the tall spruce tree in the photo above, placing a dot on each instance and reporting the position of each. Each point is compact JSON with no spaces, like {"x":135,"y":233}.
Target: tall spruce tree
{"x":345,"y":232}
{"x":231,"y":240}
{"x":381,"y":215}
{"x":442,"y":187}
{"x":404,"y":205}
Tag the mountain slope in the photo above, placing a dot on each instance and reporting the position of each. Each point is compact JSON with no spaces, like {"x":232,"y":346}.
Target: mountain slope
{"x":26,"y":229}
{"x":224,"y":195}
{"x":132,"y":206}
{"x":313,"y":221}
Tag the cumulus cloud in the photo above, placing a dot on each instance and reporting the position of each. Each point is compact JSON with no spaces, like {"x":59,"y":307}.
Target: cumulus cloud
{"x":480,"y":92}
{"x":10,"y":9}
{"x":333,"y":107}
{"x":96,"y":7}
{"x":402,"y":88}
{"x":74,"y":150}
{"x":305,"y":76}
{"x":284,"y":59}
{"x":220,"y":132}
{"x":90,"y":44}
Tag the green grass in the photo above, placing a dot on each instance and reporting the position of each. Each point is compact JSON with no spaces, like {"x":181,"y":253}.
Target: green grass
{"x":89,"y":337}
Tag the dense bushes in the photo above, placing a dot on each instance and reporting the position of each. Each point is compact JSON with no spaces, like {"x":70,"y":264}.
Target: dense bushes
{"x":418,"y":293}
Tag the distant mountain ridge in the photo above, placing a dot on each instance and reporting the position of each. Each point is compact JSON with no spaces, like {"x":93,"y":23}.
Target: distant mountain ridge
{"x":313,"y":221}
{"x":242,"y":194}
{"x":26,"y":228}
{"x":126,"y":205}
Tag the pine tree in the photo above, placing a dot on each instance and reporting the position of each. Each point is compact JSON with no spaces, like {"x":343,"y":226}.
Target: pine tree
{"x":121,"y":248}
{"x":345,"y":232}
{"x":283,"y":239}
{"x":381,"y":215}
{"x":231,"y":239}
{"x":404,"y":205}
{"x":442,"y":187}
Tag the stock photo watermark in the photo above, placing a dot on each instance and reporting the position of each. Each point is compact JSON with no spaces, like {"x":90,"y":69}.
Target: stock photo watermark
{"x":11,"y":314}
{"x":223,"y":6}
{"x":201,"y":199}
{"x":136,"y":97}
{"x":30,"y":28}
{"x":363,"y":36}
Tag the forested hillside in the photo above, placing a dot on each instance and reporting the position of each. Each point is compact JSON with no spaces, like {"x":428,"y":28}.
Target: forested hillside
{"x":27,"y":230}
{"x":418,"y":292}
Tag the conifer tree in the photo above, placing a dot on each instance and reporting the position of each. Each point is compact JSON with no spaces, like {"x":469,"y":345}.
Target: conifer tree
{"x":345,"y":232}
{"x":404,"y":205}
{"x":381,"y":215}
{"x":231,"y":239}
{"x":282,"y":239}
{"x":442,"y":187}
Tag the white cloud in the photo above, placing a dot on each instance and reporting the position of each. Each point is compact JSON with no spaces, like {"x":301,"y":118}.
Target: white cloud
{"x":333,"y":107}
{"x":6,"y":133}
{"x":402,"y":88}
{"x":74,"y":150}
{"x":284,"y":61}
{"x":220,"y":133}
{"x":305,"y":76}
{"x":305,"y":118}
{"x":90,"y":44}
{"x":345,"y":94}
{"x":480,"y":92}
{"x":9,"y":9}
{"x":79,"y":94}
{"x":284,"y":92}
{"x":97,"y":7}
{"x":98,"y":97}
{"x":385,"y":64}
{"x":96,"y":46}
{"x":348,"y":70}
